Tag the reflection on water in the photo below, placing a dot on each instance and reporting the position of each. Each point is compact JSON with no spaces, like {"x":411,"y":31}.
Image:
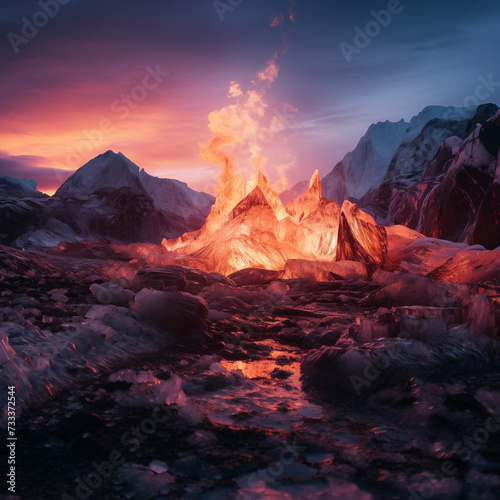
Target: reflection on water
{"x":270,"y":394}
{"x":254,"y":369}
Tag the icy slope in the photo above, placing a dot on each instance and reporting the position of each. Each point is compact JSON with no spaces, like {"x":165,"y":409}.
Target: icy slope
{"x":114,"y":170}
{"x":108,"y":197}
{"x":399,"y":152}
{"x":365,"y":167}
{"x":458,"y":196}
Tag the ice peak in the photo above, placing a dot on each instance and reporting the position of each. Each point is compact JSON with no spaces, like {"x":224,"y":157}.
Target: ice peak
{"x":315,"y":182}
{"x":108,"y":170}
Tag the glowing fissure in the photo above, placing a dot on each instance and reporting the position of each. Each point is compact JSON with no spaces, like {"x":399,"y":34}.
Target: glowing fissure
{"x":248,"y":225}
{"x":258,"y":231}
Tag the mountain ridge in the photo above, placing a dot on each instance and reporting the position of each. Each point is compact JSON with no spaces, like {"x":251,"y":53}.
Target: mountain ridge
{"x":108,"y":197}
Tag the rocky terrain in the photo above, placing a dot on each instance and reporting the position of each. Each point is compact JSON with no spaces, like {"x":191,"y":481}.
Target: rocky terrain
{"x":302,"y":383}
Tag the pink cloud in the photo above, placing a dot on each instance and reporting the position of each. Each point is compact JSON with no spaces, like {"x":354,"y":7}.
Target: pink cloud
{"x":276,"y":21}
{"x":292,"y":11}
{"x":270,"y":73}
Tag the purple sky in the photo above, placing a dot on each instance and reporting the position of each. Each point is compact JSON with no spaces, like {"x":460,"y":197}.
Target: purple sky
{"x":63,"y":90}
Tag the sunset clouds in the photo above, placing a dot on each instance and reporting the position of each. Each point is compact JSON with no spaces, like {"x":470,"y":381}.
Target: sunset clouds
{"x":86,"y":82}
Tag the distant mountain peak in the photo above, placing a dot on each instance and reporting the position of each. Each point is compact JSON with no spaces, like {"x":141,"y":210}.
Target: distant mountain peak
{"x":110,"y":152}
{"x":399,"y":150}
{"x":109,"y":196}
{"x":107,"y":170}
{"x":20,"y":188}
{"x":112,"y":170}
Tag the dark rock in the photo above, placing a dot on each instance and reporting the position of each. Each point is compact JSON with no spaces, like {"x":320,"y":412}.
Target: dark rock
{"x":21,"y":263}
{"x":407,"y":290}
{"x":489,"y":135}
{"x":486,"y":229}
{"x":280,"y":374}
{"x":109,"y":293}
{"x":450,"y":210}
{"x":171,"y":278}
{"x":172,"y":311}
{"x":253,"y":276}
{"x":386,"y":362}
{"x":360,"y":239}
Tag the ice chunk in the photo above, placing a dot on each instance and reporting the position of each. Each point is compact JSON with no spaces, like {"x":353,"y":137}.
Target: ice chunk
{"x":158,"y":467}
{"x":490,"y":400}
{"x":422,"y":328}
{"x":254,"y":276}
{"x":277,"y":289}
{"x":372,"y":330}
{"x":482,"y":317}
{"x":109,"y":293}
{"x":408,"y":289}
{"x":142,"y":483}
{"x":170,"y":391}
{"x":324,"y":271}
{"x":172,"y":311}
{"x":217,"y":368}
{"x":58,"y":295}
{"x":360,"y":238}
{"x":214,"y":315}
{"x":217,"y":291}
{"x":386,"y":362}
{"x":470,"y":265}
{"x":205,"y":362}
{"x":171,"y":278}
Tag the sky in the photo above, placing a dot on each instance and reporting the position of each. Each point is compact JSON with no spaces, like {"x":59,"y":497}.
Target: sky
{"x":85,"y":76}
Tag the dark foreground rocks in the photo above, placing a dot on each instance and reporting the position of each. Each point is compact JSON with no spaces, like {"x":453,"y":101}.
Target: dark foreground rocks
{"x":99,"y":346}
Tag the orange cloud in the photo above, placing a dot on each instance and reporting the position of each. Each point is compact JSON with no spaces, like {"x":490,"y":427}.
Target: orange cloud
{"x":69,"y":126}
{"x":235,"y":90}
{"x":270,"y":73}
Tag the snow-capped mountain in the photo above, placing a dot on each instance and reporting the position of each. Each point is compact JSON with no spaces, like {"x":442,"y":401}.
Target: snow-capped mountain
{"x":398,"y":151}
{"x":427,"y":132}
{"x":114,"y":171}
{"x":108,"y":170}
{"x":108,"y":197}
{"x":365,"y":167}
{"x":457,"y":197}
